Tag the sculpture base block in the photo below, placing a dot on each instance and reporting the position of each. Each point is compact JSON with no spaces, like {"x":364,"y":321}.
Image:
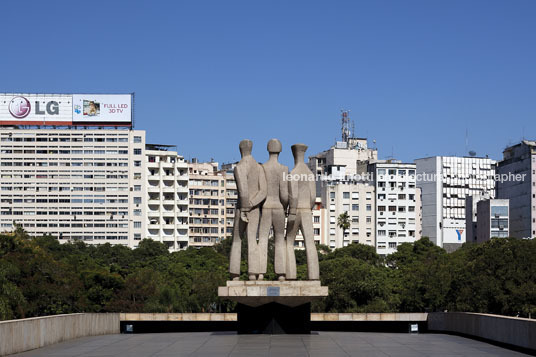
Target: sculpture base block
{"x":274,"y":318}
{"x":289,"y":293}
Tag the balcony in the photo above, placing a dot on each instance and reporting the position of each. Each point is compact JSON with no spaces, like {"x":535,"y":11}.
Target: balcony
{"x":153,"y":201}
{"x":153,"y":226}
{"x":155,"y":177}
{"x":153,"y":188}
{"x":168,"y":189}
{"x":153,"y":213}
{"x":166,"y":165}
{"x":182,"y":188}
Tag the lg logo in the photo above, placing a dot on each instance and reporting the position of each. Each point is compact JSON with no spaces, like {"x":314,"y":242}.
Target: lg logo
{"x":20,"y":107}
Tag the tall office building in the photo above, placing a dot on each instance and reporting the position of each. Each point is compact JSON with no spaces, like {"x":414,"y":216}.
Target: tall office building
{"x":166,"y":203}
{"x":74,"y":184}
{"x":518,"y":170}
{"x":445,"y":183}
{"x":397,"y":205}
{"x":72,"y":167}
{"x":213,"y":197}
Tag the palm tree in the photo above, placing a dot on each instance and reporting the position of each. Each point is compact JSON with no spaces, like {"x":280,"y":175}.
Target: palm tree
{"x":343,"y":222}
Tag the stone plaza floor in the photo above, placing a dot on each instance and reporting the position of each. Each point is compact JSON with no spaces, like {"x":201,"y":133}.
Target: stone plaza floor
{"x":230,"y":344}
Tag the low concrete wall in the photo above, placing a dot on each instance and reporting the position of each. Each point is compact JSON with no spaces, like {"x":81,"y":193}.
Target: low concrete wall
{"x":28,"y":334}
{"x":390,"y":316}
{"x":514,"y":331}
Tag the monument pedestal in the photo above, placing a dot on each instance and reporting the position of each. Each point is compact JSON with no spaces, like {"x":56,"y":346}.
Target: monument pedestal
{"x":273,"y":307}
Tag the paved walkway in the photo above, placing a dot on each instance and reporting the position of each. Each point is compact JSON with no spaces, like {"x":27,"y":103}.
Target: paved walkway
{"x":330,"y":344}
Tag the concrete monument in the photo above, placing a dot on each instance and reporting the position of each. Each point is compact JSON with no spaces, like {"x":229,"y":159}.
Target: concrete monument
{"x":273,"y":210}
{"x":282,"y":306}
{"x":251,"y":184}
{"x":302,"y":194}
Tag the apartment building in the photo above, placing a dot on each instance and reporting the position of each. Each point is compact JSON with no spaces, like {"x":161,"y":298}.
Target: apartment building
{"x":343,"y":187}
{"x":212,"y":201}
{"x":166,"y":203}
{"x":356,"y":198}
{"x":518,"y":184}
{"x":397,"y":205}
{"x":74,"y":184}
{"x":445,"y":183}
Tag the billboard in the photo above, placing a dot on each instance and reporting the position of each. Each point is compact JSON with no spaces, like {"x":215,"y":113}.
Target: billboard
{"x":66,"y":109}
{"x":102,"y":108}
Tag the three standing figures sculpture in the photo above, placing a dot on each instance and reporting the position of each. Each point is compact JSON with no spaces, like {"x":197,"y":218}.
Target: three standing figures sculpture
{"x":268,"y":197}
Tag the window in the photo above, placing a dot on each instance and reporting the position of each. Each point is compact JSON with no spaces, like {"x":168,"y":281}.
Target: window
{"x":499,"y":210}
{"x":137,"y":236}
{"x":137,"y":200}
{"x":346,"y":195}
{"x":392,"y":244}
{"x":381,"y":171}
{"x":137,"y":224}
{"x":355,"y":207}
{"x":346,"y":208}
{"x":381,"y":233}
{"x":355,"y":195}
{"x":137,"y":163}
{"x":316,"y":231}
{"x":137,"y":187}
{"x":137,"y":139}
{"x":332,"y":195}
{"x":369,"y":207}
{"x":369,"y":219}
{"x":369,"y":196}
{"x":137,"y":151}
{"x":316,"y":219}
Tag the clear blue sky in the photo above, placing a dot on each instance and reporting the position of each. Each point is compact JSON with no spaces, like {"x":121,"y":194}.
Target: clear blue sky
{"x":415,"y":74}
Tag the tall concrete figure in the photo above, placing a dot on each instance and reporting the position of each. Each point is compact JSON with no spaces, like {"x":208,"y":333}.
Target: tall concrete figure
{"x":251,"y":184}
{"x":302,"y":194}
{"x":273,"y":210}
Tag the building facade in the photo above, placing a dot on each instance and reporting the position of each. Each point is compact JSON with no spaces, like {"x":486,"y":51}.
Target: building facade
{"x":519,"y":160}
{"x":74,"y":184}
{"x":212,"y":201}
{"x":445,"y":183}
{"x":356,"y":198}
{"x":397,"y":205}
{"x":166,"y":204}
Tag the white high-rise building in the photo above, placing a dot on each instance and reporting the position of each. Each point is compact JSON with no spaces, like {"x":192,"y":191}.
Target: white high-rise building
{"x":342,"y":190}
{"x":166,"y":201}
{"x":397,"y":205}
{"x":74,"y":184}
{"x":445,"y":183}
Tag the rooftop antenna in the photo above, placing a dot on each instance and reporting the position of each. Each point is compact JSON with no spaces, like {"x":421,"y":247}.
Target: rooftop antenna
{"x":345,"y":125}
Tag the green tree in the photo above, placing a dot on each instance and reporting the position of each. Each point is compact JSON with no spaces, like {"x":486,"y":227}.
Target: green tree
{"x":343,"y":222}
